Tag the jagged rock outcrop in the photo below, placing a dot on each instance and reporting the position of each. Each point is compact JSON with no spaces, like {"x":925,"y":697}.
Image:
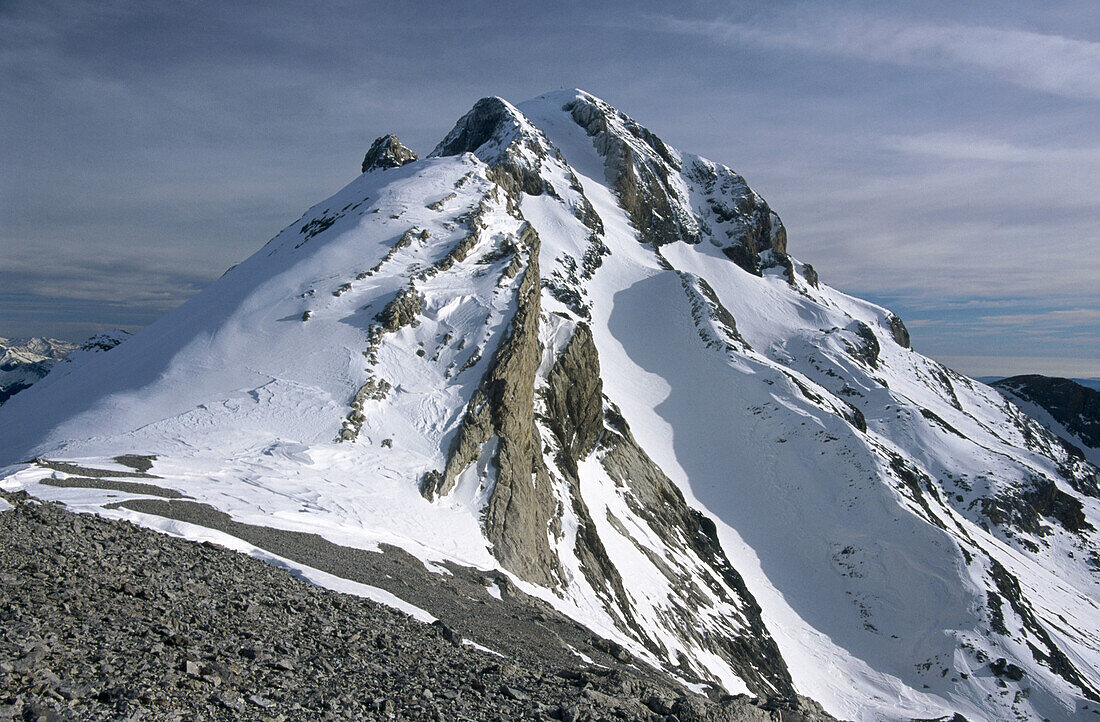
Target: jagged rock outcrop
{"x":401,"y":311}
{"x":387,"y":152}
{"x":1072,"y":405}
{"x":498,"y":134}
{"x":489,"y":119}
{"x":574,"y":398}
{"x":811,"y":275}
{"x":717,"y":326}
{"x":521,"y":506}
{"x":650,"y":178}
{"x":755,"y":238}
{"x":638,"y":166}
{"x":866,"y":348}
{"x":898,"y":331}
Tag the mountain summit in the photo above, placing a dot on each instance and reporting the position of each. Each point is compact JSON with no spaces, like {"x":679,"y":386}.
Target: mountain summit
{"x":563,"y":358}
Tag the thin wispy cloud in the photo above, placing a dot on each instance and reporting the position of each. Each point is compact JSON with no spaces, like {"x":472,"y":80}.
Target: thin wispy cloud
{"x":138,"y":281}
{"x":1050,"y":63}
{"x":1060,"y":318}
{"x":964,"y":147}
{"x":1013,"y":366}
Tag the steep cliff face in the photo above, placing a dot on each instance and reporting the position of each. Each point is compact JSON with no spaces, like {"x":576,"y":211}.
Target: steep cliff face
{"x":663,"y":528}
{"x":521,"y":505}
{"x":1074,"y":407}
{"x":671,"y":196}
{"x":561,"y":356}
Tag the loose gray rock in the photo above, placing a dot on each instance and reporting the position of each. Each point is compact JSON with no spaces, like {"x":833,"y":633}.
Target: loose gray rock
{"x":218,"y":635}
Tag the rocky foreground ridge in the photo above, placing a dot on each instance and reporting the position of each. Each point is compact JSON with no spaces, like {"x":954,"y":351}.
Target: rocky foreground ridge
{"x":103,"y":619}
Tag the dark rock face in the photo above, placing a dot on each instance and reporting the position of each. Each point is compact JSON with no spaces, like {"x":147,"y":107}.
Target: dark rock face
{"x":574,"y":398}
{"x":1025,"y":511}
{"x":502,"y":137}
{"x":387,"y":152}
{"x":714,"y":322}
{"x":898,"y":331}
{"x":1072,"y":405}
{"x":638,"y":165}
{"x":868,"y":347}
{"x":811,"y":275}
{"x":744,"y":257}
{"x":401,"y":311}
{"x":1002,"y":668}
{"x":1048,"y":654}
{"x":749,"y":226}
{"x":522,"y":506}
{"x":12,"y":389}
{"x":490,"y":118}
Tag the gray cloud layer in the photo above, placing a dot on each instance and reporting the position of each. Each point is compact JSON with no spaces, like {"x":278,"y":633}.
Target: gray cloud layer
{"x":1041,"y":61}
{"x":942,"y":161}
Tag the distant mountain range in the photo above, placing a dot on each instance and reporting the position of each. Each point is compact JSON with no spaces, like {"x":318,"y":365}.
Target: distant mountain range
{"x":25,"y":361}
{"x":1091,"y":383}
{"x":1065,"y":406}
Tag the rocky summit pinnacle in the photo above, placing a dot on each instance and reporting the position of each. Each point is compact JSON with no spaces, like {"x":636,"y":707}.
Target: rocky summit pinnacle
{"x":560,"y":375}
{"x":489,"y":118}
{"x":387,"y":152}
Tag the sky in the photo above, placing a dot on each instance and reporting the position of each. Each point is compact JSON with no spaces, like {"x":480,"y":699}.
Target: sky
{"x":939,"y":158}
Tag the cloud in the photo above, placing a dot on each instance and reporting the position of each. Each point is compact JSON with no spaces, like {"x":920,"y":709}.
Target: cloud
{"x":1015,"y":365}
{"x":1070,"y":318}
{"x":1049,"y":63}
{"x":964,"y":147}
{"x":147,"y":283}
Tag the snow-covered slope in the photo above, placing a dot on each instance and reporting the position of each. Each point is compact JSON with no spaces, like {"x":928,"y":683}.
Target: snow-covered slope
{"x":560,"y":348}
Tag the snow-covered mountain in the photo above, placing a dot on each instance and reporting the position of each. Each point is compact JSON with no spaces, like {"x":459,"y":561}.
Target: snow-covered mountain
{"x":563,"y":352}
{"x":24,"y":361}
{"x":1068,"y":408}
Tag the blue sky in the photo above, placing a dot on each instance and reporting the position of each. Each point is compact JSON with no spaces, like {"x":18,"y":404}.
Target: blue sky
{"x":942,"y":159}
